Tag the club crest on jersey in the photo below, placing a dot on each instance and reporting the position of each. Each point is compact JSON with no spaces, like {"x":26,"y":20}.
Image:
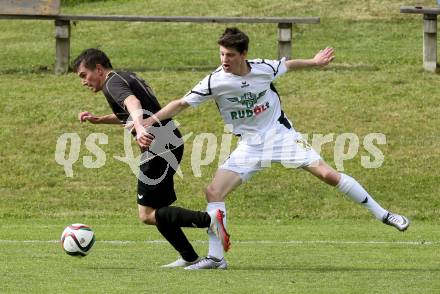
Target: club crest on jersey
{"x":248,"y":99}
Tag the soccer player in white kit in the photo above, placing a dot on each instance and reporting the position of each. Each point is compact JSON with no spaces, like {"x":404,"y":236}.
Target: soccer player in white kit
{"x":248,"y":101}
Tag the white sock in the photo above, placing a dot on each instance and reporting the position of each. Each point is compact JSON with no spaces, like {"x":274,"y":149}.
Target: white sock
{"x":357,"y":193}
{"x":215,"y":245}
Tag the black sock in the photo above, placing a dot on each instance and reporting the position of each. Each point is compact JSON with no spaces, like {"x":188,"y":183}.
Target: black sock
{"x":176,"y":237}
{"x":181,"y":217}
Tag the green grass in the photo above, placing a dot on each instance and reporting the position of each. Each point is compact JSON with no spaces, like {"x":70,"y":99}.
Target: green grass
{"x":305,"y":257}
{"x":375,"y":85}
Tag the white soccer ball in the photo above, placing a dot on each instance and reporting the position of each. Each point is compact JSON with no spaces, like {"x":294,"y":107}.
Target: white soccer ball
{"x":77,"y":239}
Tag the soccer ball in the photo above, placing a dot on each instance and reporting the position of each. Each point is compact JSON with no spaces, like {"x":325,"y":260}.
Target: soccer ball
{"x":77,"y":239}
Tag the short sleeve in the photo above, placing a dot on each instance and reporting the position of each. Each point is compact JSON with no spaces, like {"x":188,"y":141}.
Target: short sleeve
{"x":118,"y":89}
{"x":279,"y":66}
{"x":200,"y":93}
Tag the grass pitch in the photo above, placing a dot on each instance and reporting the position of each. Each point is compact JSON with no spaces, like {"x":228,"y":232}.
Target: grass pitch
{"x":299,"y":257}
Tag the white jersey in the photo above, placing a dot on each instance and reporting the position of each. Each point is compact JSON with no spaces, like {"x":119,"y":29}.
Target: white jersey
{"x":249,"y":103}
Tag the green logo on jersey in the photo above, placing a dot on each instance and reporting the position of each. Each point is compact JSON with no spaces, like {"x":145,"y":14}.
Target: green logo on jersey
{"x":248,"y":99}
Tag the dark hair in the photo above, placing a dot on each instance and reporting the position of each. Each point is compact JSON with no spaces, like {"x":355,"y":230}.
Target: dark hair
{"x":91,"y":57}
{"x":235,"y":39}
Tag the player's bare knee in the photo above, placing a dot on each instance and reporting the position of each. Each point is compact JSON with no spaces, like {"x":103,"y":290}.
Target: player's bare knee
{"x":147,"y":218}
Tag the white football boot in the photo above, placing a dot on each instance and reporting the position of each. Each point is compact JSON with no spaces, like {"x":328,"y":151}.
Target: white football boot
{"x":209,"y":263}
{"x":398,"y":221}
{"x":180,"y":263}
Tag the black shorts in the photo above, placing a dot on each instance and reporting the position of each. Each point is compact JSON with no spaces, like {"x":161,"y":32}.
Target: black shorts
{"x":156,"y":181}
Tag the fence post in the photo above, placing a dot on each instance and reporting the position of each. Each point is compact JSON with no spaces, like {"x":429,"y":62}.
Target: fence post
{"x":285,"y":40}
{"x":430,"y":42}
{"x":62,"y":37}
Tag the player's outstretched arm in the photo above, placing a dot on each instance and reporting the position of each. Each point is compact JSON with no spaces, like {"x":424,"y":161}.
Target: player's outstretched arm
{"x":169,"y":111}
{"x":322,"y":58}
{"x":104,"y":119}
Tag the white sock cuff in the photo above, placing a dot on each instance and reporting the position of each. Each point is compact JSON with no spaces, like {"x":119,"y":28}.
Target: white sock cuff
{"x":345,"y":183}
{"x":216,"y":205}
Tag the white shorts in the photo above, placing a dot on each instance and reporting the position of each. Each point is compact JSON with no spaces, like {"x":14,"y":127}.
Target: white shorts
{"x":281,"y":145}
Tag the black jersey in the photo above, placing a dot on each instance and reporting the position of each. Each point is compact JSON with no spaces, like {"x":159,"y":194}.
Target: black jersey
{"x":155,"y":181}
{"x":119,"y":85}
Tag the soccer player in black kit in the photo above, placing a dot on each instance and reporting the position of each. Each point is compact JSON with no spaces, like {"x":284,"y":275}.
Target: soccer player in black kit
{"x":132,"y":100}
